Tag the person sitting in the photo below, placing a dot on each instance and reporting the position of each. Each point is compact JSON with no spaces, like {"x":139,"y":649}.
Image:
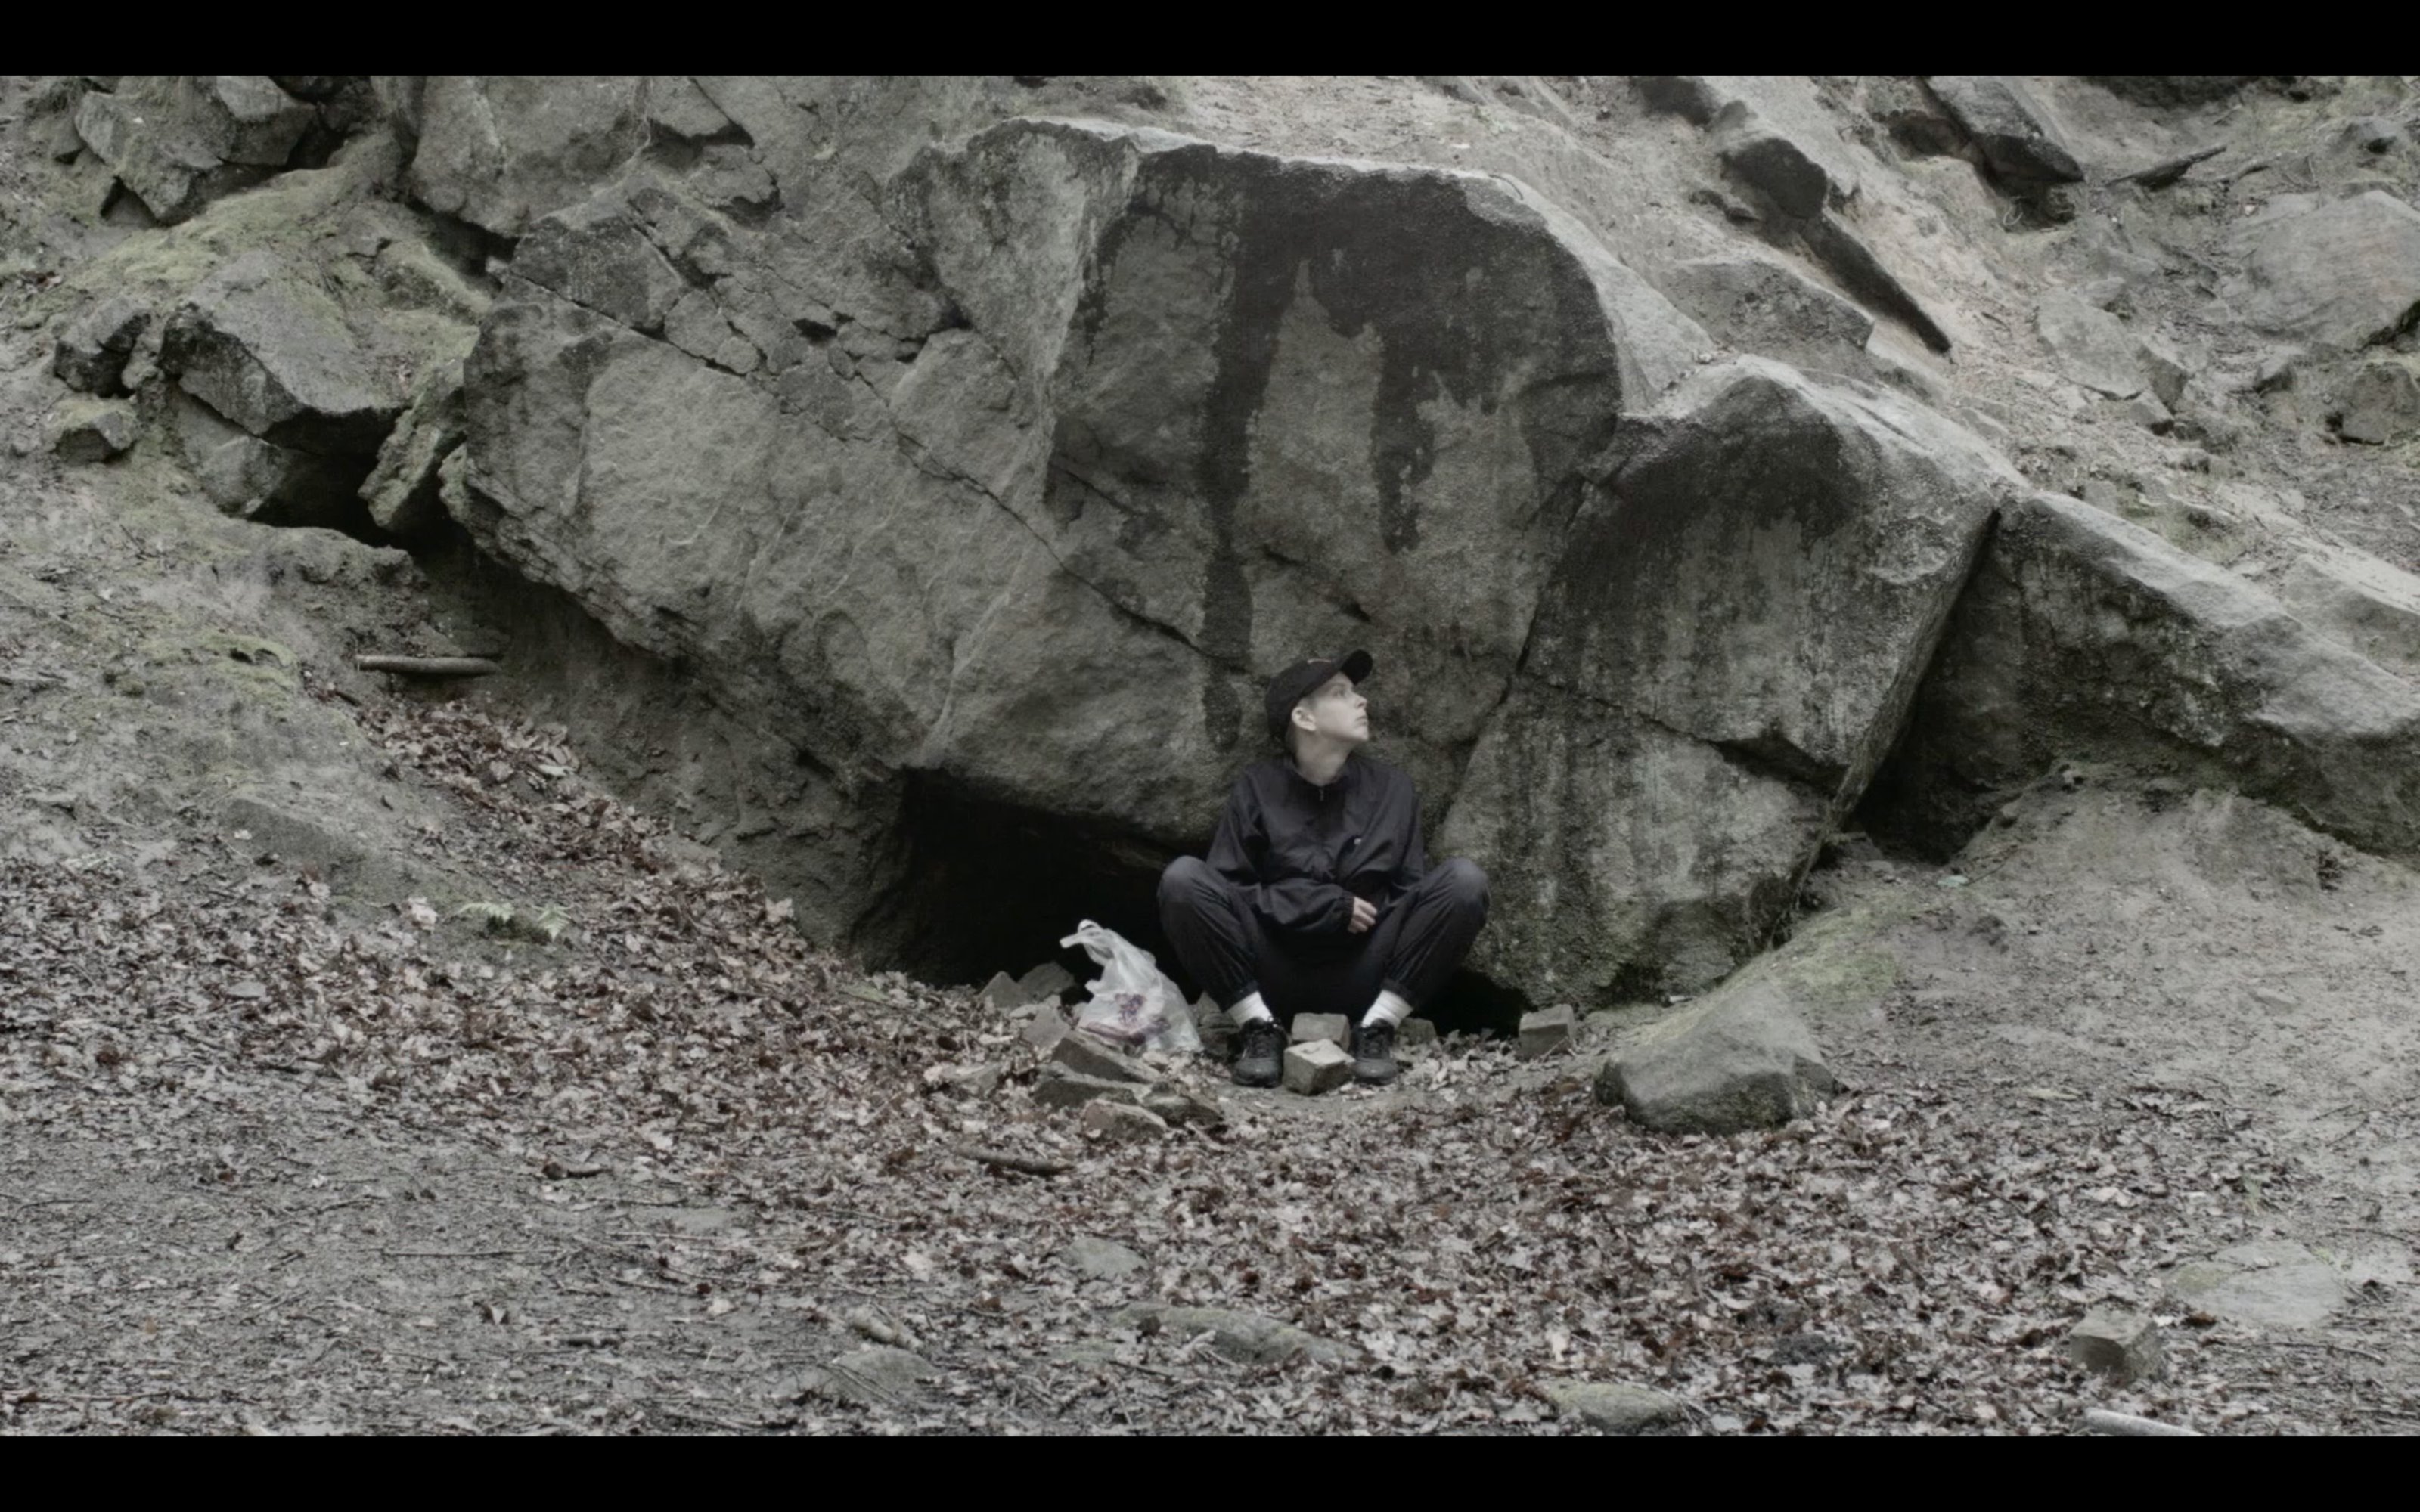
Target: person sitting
{"x":1317,"y":895}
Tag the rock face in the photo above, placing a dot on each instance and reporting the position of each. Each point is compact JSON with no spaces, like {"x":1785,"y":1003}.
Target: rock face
{"x":2015,"y":134}
{"x":2085,"y":637}
{"x":1742,"y":1058}
{"x":2332,"y":276}
{"x":1034,"y":497}
{"x":1650,"y":790}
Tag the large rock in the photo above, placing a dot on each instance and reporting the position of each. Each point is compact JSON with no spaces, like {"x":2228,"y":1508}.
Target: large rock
{"x":2273,"y":1282}
{"x":402,"y":488}
{"x":179,"y":143}
{"x":2334,"y":276}
{"x":2090,"y":346}
{"x":1720,"y":661}
{"x":2015,"y":134}
{"x":92,"y":350}
{"x":1761,"y":304}
{"x":262,"y":343}
{"x":500,"y":152}
{"x":1759,"y":155}
{"x":2380,"y":403}
{"x":1036,"y":474}
{"x":2083,"y":636}
{"x":1740,"y":1058}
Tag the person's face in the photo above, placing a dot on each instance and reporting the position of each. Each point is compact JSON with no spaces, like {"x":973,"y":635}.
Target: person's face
{"x":1335,"y":710}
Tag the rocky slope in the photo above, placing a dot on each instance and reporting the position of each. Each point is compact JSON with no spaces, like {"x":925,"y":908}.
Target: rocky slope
{"x":975,"y":447}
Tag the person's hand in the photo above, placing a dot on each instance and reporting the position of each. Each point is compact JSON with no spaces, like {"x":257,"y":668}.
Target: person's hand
{"x":1365,"y":914}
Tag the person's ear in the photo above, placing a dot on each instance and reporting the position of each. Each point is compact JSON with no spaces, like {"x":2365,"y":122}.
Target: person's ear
{"x":1305,"y":721}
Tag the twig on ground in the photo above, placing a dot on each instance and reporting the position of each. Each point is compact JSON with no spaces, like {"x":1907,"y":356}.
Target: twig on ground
{"x":429,"y":665}
{"x":2122,"y":1424}
{"x":1007,"y":1161}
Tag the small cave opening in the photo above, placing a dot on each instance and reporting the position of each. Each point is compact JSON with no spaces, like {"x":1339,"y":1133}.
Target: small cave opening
{"x":990,"y":887}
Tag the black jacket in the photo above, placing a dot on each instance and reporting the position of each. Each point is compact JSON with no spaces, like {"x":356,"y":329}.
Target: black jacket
{"x":1303,"y":853}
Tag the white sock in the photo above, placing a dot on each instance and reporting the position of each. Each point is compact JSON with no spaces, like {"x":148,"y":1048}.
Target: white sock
{"x":1248,"y":1008}
{"x":1388,"y":1009}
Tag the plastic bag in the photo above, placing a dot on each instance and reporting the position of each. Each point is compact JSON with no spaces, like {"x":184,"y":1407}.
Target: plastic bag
{"x":1133,"y":1004}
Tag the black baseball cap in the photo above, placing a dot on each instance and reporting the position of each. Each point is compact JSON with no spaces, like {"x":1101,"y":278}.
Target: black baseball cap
{"x":1299,"y":681}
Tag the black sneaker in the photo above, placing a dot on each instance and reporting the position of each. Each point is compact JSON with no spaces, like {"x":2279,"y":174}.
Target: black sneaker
{"x":1374,"y":1054}
{"x":1257,"y":1064}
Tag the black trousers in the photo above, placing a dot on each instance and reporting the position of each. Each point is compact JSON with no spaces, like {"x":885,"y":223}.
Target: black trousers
{"x":1410,"y":951}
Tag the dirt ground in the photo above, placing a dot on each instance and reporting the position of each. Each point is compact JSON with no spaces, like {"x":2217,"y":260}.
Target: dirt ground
{"x":277,"y":1161}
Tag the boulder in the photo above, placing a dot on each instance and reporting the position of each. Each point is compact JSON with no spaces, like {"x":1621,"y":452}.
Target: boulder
{"x":1045,"y":1029}
{"x":2380,"y":403}
{"x":501,"y":152}
{"x":1181,"y":1108}
{"x":1121,"y":1122}
{"x":1058,"y":1088}
{"x":1545,"y":1031}
{"x":1248,"y":1338}
{"x":1758,"y":154}
{"x":678,"y":105}
{"x":2086,"y":638}
{"x":1913,"y":119}
{"x":987,"y":503}
{"x":1740,"y":1058}
{"x":1087,"y":1057}
{"x":2334,"y":276}
{"x":1001,"y":993}
{"x":247,"y":119}
{"x":1316,"y":1067}
{"x":1761,"y":304}
{"x":2090,"y":347}
{"x":2272,"y":1282}
{"x":1614,"y":1406}
{"x":2016,"y":136}
{"x":84,"y":430}
{"x":1045,"y":983}
{"x":2120,"y":1345}
{"x":92,"y":349}
{"x":1690,"y":96}
{"x":402,"y":488}
{"x":2166,"y":369}
{"x":263,"y":345}
{"x":1648,"y":795}
{"x":179,"y":143}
